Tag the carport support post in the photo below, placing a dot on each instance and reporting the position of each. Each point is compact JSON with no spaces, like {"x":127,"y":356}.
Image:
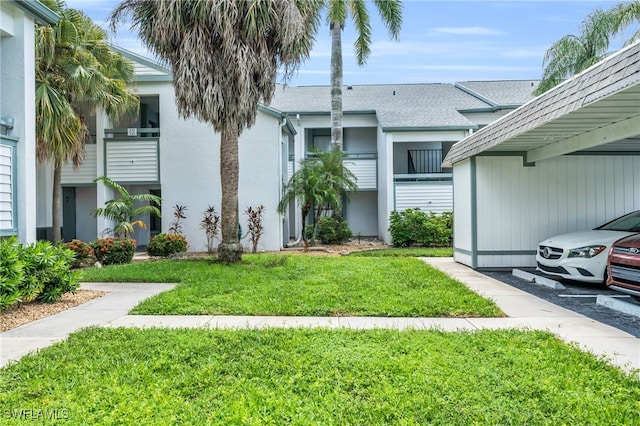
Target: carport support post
{"x":474,"y":214}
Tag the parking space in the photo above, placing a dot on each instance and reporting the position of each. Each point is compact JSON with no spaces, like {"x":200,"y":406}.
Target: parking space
{"x":578,"y":297}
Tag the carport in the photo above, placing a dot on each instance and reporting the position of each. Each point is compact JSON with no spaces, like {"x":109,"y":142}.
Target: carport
{"x":567,"y":161}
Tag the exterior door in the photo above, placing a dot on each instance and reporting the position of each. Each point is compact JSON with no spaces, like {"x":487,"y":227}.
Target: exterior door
{"x":68,"y":213}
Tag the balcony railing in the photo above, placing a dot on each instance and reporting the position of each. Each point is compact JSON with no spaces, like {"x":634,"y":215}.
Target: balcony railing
{"x":424,"y":161}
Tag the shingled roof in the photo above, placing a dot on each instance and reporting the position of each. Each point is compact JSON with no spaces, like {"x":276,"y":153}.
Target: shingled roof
{"x":601,"y":96}
{"x":408,"y":106}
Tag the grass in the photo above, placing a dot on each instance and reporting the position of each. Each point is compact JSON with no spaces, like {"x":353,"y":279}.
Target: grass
{"x":316,"y":376}
{"x":302,"y":286}
{"x":406,"y":252}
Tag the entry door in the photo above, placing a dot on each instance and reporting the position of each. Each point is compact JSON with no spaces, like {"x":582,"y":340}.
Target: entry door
{"x":68,"y":213}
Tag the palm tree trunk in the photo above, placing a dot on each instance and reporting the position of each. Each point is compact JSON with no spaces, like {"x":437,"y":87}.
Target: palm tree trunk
{"x":56,"y":205}
{"x":230,"y":249}
{"x":336,"y":86}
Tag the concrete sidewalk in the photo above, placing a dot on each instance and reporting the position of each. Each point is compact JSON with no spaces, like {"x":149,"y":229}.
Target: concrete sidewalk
{"x":524,"y":311}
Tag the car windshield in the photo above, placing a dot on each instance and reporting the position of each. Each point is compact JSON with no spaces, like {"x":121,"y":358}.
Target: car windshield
{"x":628,"y":223}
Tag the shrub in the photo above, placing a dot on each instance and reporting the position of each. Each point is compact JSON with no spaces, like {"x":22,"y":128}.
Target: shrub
{"x":12,"y":272}
{"x":83,"y":252}
{"x":210,"y":223}
{"x":47,"y":272}
{"x":415,"y":227}
{"x":113,"y":251}
{"x":331,"y":230}
{"x":165,"y":245}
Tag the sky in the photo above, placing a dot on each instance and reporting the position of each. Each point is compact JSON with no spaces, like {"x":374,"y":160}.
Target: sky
{"x":440,"y":41}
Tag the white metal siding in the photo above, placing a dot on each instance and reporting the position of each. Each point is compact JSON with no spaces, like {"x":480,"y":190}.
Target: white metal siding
{"x":364,"y":170}
{"x":87,"y":171}
{"x":132,"y":161}
{"x":520,"y":206}
{"x":427,"y":196}
{"x":6,"y":187}
{"x":290,"y":169}
{"x":463,"y":210}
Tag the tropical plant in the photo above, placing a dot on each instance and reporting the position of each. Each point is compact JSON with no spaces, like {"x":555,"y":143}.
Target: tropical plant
{"x":225,"y":56}
{"x":332,"y":230}
{"x":415,"y":227}
{"x":12,"y":274}
{"x":47,"y":272}
{"x":574,"y":53}
{"x":337,"y":13}
{"x":175,"y":227}
{"x":210,"y":223}
{"x":74,"y":68}
{"x":255,"y":225}
{"x":320,"y":182}
{"x":123,"y":211}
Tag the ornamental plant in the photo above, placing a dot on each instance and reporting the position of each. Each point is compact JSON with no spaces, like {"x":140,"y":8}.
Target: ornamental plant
{"x":12,"y":272}
{"x":165,"y":245}
{"x":47,"y":272}
{"x":113,"y":251}
{"x":83,"y":252}
{"x":332,"y":230}
{"x":415,"y":227}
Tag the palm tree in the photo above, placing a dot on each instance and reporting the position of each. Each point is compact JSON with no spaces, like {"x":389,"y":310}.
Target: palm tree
{"x":574,"y":53}
{"x":225,"y":56}
{"x":338,"y":11}
{"x":320,"y":182}
{"x":123,"y":211}
{"x":74,"y":66}
{"x":624,"y":15}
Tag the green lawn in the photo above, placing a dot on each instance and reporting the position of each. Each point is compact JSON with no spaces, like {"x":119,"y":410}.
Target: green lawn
{"x":316,"y":376}
{"x":268,"y":284}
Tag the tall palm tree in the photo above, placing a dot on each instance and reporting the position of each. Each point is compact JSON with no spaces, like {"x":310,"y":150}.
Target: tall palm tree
{"x":321,"y":182}
{"x":74,"y":66}
{"x":574,"y":53}
{"x":337,"y":13}
{"x":225,"y":56}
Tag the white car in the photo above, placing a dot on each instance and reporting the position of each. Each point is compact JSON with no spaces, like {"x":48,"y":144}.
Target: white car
{"x":582,"y":256}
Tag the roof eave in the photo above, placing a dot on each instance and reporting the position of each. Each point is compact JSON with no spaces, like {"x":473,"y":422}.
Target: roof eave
{"x":42,"y":14}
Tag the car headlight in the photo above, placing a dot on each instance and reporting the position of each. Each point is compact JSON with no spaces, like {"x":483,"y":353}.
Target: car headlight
{"x":586,"y":252}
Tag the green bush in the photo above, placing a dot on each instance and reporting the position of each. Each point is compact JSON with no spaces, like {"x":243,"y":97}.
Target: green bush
{"x":330,"y":230}
{"x":12,"y":272}
{"x":415,"y":227}
{"x":47,"y":272}
{"x":83,"y":252}
{"x":39,"y":271}
{"x":165,"y":245}
{"x":113,"y":251}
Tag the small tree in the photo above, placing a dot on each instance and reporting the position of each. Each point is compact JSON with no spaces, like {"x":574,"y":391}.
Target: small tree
{"x":123,"y":210}
{"x":321,"y":181}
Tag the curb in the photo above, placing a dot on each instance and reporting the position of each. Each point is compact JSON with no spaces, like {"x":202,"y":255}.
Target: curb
{"x":537,"y":279}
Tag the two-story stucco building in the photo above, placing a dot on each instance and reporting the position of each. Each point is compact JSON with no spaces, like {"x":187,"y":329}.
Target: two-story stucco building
{"x":395,"y":137}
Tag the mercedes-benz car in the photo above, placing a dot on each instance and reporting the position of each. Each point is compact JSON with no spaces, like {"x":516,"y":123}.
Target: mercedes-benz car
{"x":582,"y":256}
{"x":624,"y":266}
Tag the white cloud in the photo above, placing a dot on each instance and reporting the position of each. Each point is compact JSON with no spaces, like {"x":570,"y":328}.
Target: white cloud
{"x":476,"y":30}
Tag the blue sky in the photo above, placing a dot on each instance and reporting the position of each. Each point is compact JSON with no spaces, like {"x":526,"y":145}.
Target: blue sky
{"x":440,"y":41}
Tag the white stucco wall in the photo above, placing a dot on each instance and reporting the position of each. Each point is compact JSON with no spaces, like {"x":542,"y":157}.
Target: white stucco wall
{"x":362,"y":213}
{"x":85,"y":206}
{"x":385,"y":183}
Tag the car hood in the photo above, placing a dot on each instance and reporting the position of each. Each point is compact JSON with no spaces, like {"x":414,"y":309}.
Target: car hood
{"x":633,"y":241}
{"x":585,"y":238}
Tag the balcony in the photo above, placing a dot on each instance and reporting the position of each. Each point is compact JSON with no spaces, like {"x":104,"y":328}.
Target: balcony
{"x":365,"y":169}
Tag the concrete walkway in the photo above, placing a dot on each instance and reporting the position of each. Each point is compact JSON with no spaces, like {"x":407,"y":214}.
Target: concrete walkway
{"x":524,"y":311}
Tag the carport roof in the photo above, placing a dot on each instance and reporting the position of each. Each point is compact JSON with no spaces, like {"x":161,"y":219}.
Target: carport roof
{"x":599,"y":106}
